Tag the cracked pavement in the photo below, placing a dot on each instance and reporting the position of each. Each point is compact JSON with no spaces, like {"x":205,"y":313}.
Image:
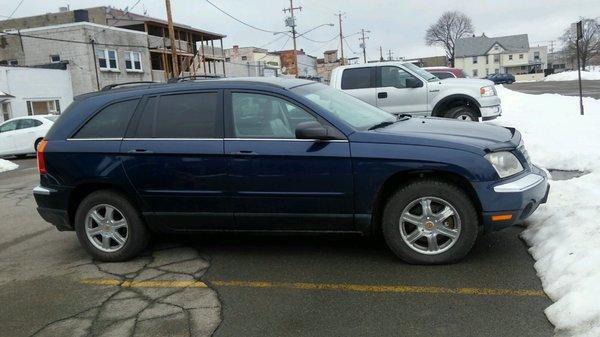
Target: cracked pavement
{"x":41,"y":273}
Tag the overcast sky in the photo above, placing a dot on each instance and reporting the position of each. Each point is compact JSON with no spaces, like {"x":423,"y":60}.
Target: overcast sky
{"x":396,"y":25}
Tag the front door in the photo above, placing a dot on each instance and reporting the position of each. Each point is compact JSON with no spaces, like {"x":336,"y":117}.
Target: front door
{"x":395,"y":96}
{"x":280,"y":182}
{"x":173,"y":155}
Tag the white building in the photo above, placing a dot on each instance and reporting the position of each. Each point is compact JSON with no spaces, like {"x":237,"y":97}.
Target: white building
{"x":251,"y":61}
{"x":33,"y":91}
{"x":479,"y":56}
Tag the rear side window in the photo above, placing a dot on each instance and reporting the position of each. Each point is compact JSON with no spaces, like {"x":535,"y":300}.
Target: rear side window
{"x":356,"y":78}
{"x":110,"y":122}
{"x":28,"y":123}
{"x":186,"y":115}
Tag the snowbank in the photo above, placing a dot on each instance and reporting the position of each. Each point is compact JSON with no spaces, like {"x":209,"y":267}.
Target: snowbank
{"x":572,"y":76}
{"x":564,"y":233}
{"x":6,"y":165}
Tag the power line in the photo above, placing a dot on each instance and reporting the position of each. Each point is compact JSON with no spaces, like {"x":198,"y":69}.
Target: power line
{"x":14,"y":10}
{"x":347,"y":44}
{"x":319,"y":41}
{"x":240,"y":21}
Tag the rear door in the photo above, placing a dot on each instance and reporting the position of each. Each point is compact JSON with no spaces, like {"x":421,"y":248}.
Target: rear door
{"x":393,"y":94}
{"x":360,"y":83}
{"x":7,"y":142}
{"x":173,"y":155}
{"x":26,"y":134}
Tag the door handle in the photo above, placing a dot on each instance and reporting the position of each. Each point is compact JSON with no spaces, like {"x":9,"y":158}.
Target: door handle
{"x":140,"y":151}
{"x":382,"y":95}
{"x":244,"y":153}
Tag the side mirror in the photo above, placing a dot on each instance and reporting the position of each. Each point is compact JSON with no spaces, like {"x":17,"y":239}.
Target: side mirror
{"x":412,"y":82}
{"x":311,"y":130}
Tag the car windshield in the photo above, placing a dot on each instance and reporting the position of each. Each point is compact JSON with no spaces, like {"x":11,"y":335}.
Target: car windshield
{"x":353,"y":111}
{"x":421,"y":72}
{"x":51,"y":118}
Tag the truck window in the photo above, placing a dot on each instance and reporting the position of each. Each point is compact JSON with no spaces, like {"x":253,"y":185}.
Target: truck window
{"x":356,"y":78}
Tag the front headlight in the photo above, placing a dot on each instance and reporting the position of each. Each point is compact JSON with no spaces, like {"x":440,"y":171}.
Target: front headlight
{"x":505,"y":163}
{"x":487,"y":91}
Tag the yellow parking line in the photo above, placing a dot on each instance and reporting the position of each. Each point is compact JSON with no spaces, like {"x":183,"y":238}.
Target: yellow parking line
{"x":146,"y":284}
{"x":406,"y":289}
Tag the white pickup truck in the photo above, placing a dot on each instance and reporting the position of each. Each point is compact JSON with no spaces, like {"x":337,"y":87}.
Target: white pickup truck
{"x":403,"y":88}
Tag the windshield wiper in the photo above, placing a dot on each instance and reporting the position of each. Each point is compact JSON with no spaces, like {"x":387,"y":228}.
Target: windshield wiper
{"x":381,"y":125}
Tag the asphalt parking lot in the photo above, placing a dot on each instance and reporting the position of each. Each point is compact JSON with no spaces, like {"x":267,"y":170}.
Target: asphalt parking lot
{"x":240,"y":285}
{"x":568,"y":88}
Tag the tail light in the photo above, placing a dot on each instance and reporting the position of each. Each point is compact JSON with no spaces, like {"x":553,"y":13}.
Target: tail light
{"x":41,"y":160}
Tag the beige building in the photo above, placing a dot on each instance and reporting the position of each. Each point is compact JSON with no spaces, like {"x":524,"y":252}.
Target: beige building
{"x":479,"y":56}
{"x":326,"y":64}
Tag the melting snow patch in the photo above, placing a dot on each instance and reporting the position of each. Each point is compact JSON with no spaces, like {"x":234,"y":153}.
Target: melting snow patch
{"x":6,"y":165}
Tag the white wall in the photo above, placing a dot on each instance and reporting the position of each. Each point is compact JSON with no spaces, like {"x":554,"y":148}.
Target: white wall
{"x":31,"y":84}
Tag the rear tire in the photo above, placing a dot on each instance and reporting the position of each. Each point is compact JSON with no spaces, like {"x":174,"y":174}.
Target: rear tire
{"x":430,"y":242}
{"x":463,"y":113}
{"x":109,"y":227}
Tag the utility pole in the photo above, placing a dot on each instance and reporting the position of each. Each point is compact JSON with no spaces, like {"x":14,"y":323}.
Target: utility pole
{"x":291,"y":22}
{"x":363,"y":43}
{"x":172,"y":38}
{"x":390,"y":53}
{"x":341,"y":37}
{"x":579,"y":35}
{"x":380,"y":54}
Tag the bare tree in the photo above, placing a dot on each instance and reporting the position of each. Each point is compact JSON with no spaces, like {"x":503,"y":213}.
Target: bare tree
{"x":451,"y":26}
{"x":589,"y":44}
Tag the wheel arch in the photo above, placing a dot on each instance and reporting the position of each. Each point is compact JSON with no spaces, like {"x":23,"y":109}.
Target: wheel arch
{"x":81,"y":191}
{"x":453,"y":101}
{"x":399,"y":179}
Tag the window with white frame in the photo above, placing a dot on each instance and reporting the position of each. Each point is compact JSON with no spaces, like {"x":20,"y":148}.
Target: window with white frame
{"x":107,"y":59}
{"x":474,"y":59}
{"x":55,"y":58}
{"x":6,"y":110}
{"x":45,"y":107}
{"x":133,"y":61}
{"x":510,"y":57}
{"x":520,"y":56}
{"x":9,"y":63}
{"x":475,"y":73}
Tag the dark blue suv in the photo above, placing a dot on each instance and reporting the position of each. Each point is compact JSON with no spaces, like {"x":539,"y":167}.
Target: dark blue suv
{"x":275,"y":155}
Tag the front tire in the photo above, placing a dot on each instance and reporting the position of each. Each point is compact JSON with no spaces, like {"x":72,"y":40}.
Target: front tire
{"x":430,"y":222}
{"x":463,"y":113}
{"x":109,"y":227}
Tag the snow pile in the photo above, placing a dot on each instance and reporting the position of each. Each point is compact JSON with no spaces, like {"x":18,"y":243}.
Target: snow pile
{"x":555,"y":134}
{"x":6,"y":165}
{"x":572,"y":76}
{"x":564,"y":234}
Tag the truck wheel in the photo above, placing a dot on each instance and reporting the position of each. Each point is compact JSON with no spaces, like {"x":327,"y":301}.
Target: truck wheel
{"x":463,"y":113}
{"x":109,"y":227}
{"x":430,"y":222}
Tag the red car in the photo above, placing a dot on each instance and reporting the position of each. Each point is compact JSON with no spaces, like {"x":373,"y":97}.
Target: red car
{"x":446,"y":72}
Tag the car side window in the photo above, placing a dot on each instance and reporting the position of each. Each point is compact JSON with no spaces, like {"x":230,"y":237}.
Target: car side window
{"x":356,"y":78}
{"x":443,"y":75}
{"x":28,"y":123}
{"x":394,"y":77}
{"x":265,"y":116}
{"x":8,"y":126}
{"x":109,"y":122}
{"x":181,"y":115}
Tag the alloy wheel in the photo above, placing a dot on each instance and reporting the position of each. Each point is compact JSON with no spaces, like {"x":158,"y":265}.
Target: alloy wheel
{"x":430,"y":225}
{"x":106,"y":228}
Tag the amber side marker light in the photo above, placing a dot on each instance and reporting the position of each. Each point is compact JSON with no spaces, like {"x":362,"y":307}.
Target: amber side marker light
{"x":41,"y":160}
{"x":502,"y":217}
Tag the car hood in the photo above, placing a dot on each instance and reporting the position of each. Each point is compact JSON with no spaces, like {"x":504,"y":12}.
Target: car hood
{"x":461,"y":82}
{"x":440,"y":132}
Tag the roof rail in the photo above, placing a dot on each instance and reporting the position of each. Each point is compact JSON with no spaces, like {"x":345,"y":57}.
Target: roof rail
{"x":192,"y":77}
{"x":115,"y":85}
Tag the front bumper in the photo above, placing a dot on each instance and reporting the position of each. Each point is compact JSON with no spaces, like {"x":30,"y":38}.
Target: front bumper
{"x":490,"y":112}
{"x":518,"y":197}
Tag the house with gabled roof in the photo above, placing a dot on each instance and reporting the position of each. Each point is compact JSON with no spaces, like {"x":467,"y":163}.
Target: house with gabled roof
{"x":479,"y":56}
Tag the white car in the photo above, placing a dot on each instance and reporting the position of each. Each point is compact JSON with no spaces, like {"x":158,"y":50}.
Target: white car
{"x":20,"y":136}
{"x":403,"y":88}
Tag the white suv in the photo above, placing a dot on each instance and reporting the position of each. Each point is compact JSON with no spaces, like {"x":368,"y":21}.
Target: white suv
{"x":403,"y":88}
